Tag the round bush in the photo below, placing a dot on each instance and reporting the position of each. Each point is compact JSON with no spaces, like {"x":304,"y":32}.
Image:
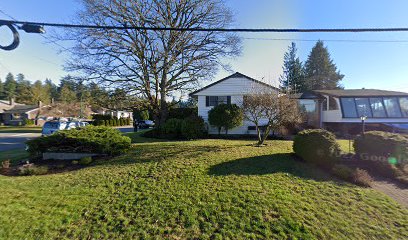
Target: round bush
{"x":193,"y":128}
{"x":376,"y":145}
{"x":172,"y":127}
{"x":317,"y":146}
{"x":85,"y":161}
{"x":92,"y":139}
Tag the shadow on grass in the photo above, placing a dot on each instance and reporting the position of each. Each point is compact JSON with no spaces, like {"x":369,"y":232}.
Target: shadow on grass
{"x":269,"y":164}
{"x":159,"y":152}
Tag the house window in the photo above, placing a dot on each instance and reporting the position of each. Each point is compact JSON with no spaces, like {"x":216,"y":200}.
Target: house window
{"x":216,"y":100}
{"x":15,"y":116}
{"x":333,"y":103}
{"x":363,"y":107}
{"x":392,"y":107}
{"x":349,"y":107}
{"x":324,"y":105}
{"x":404,"y":106}
{"x":377,"y":107}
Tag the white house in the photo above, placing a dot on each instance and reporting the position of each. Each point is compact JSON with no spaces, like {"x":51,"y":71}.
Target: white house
{"x":337,"y":110}
{"x":228,"y":90}
{"x":344,"y":109}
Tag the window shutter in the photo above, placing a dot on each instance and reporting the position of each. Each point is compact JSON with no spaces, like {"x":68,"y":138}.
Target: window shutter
{"x":229,"y":99}
{"x":207,"y":101}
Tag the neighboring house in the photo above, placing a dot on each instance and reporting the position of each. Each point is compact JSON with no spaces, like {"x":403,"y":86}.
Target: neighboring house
{"x":19,"y":113}
{"x":342,"y":110}
{"x":6,"y":111}
{"x":119,"y":114}
{"x":336,"y":110}
{"x":116,"y":113}
{"x":228,"y":90}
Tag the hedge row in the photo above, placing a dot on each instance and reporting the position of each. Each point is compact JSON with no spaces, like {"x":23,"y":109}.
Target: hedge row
{"x":91,"y":139}
{"x":113,"y":122}
{"x":192,"y":127}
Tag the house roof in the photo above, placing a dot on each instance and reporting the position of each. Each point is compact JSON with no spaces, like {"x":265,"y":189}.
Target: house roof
{"x":21,"y":109}
{"x":360,"y":93}
{"x":235,"y":75}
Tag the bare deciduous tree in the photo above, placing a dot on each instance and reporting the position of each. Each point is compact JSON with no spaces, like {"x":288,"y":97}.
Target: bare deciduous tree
{"x":272,"y":108}
{"x":152,"y":64}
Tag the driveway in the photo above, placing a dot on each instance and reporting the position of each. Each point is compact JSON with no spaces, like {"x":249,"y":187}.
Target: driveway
{"x":9,"y":141}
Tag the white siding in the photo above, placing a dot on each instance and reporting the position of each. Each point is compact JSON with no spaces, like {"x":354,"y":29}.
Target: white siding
{"x":234,"y":87}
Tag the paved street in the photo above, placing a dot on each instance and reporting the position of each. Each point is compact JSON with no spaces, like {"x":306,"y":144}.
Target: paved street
{"x":9,"y":141}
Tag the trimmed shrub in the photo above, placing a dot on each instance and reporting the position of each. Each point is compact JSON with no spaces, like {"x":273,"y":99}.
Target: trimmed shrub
{"x":92,"y":139}
{"x":101,"y":117}
{"x":361,"y":177}
{"x":111,"y":122}
{"x":382,"y":146}
{"x":317,"y":146}
{"x":342,"y":171}
{"x":225,"y":116}
{"x":193,"y":128}
{"x":172,"y":128}
{"x":182,"y":113}
{"x":29,"y":122}
{"x":153,"y":133}
{"x":127,"y":121}
{"x":33,"y":170}
{"x":85,"y":161}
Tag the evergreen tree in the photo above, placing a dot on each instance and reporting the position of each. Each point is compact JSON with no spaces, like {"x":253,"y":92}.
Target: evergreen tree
{"x":51,"y":88}
{"x":1,"y":89}
{"x":23,"y":90}
{"x":67,"y":95}
{"x":321,"y":72}
{"x":10,"y":86}
{"x":40,"y":92}
{"x":293,"y":77}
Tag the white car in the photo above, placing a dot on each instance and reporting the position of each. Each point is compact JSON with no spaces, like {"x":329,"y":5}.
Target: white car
{"x":51,"y":127}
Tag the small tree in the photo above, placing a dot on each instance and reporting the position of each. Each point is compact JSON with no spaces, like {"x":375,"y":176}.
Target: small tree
{"x":225,"y":116}
{"x":276,"y":109}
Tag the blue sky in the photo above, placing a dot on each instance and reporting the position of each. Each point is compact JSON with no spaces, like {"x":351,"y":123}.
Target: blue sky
{"x":365,"y":64}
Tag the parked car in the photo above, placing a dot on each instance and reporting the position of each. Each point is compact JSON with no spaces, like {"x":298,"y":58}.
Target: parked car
{"x":145,"y":124}
{"x":51,"y":127}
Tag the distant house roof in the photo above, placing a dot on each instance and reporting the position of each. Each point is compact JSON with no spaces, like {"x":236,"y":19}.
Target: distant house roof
{"x":360,"y":93}
{"x":21,"y":109}
{"x":235,"y":75}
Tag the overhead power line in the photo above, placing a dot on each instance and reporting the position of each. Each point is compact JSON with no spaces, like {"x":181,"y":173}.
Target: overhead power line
{"x":328,"y":40}
{"x":277,"y":30}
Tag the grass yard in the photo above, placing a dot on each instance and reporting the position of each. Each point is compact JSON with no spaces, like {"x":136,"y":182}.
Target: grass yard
{"x":14,"y":156}
{"x":207,"y":189}
{"x":20,"y":129}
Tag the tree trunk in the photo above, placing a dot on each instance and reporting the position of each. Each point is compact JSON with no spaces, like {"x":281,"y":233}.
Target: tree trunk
{"x":258,"y":131}
{"x":265,"y":136}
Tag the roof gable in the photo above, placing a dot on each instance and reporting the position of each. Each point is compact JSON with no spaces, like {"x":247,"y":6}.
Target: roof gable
{"x":235,"y":75}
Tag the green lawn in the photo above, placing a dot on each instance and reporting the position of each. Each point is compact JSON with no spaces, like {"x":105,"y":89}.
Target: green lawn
{"x":20,"y":129}
{"x":13,"y":155}
{"x":207,"y":189}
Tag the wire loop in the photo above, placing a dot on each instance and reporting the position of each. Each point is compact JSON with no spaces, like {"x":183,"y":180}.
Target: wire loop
{"x":16,"y":36}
